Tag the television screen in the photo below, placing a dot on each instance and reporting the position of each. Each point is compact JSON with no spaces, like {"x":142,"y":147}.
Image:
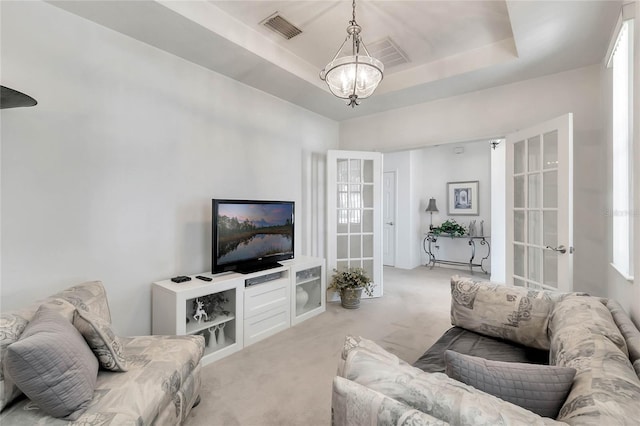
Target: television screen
{"x":251,"y":235}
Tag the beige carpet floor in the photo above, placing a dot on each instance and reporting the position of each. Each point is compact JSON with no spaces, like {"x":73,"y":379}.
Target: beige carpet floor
{"x":286,"y":379}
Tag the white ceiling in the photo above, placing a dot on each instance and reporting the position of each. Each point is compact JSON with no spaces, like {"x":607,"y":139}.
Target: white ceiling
{"x":453,"y":47}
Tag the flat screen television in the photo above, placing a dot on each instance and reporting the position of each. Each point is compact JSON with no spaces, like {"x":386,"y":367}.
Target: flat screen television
{"x":250,"y":236}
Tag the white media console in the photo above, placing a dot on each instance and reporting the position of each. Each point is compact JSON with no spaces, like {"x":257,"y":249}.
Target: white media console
{"x":256,"y":306}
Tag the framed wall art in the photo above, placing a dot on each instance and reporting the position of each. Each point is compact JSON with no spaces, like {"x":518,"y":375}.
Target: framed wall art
{"x":462,"y":198}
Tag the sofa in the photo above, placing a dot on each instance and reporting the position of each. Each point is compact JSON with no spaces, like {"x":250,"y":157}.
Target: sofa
{"x":63,"y":354}
{"x":513,"y":356}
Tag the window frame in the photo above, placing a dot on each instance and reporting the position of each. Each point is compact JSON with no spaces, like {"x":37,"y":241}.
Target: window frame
{"x":622,"y":147}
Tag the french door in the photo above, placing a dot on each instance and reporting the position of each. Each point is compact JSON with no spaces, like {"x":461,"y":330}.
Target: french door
{"x":539,"y":203}
{"x":354,"y":210}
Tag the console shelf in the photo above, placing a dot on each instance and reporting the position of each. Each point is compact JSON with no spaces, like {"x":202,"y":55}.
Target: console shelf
{"x":306,"y":280}
{"x":173,"y":305}
{"x":212,"y":351}
{"x":260,"y":304}
{"x":194,"y":327}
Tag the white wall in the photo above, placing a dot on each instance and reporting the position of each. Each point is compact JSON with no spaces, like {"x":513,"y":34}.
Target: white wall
{"x":440,"y":165}
{"x":424,"y":173}
{"x":498,"y":111}
{"x":417,"y":207}
{"x":111,"y":175}
{"x":407,"y":202}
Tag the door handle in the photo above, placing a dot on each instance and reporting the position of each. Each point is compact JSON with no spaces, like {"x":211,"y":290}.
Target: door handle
{"x":560,"y":249}
{"x":389,"y":223}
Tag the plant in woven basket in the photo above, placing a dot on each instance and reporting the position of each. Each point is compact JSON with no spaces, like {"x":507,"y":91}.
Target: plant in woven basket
{"x":351,"y":278}
{"x":450,"y":227}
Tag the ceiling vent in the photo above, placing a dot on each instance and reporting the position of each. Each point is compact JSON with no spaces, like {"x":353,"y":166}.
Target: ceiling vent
{"x":387,"y":51}
{"x":281,"y":26}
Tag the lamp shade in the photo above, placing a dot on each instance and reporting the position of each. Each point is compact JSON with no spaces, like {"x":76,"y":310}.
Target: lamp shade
{"x":432,"y":206}
{"x":354,"y":75}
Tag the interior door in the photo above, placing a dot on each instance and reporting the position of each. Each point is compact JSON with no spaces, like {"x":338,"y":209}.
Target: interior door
{"x":389,"y":218}
{"x":354,"y":210}
{"x":539,"y":205}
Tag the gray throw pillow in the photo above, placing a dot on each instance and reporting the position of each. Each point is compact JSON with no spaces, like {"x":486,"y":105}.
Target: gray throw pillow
{"x":101,"y":339}
{"x":52,"y":364}
{"x":541,"y":389}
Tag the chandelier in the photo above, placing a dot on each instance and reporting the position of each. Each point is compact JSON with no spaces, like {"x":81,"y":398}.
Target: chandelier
{"x":354,"y":76}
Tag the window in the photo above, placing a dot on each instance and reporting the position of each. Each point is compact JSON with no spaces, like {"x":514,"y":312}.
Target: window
{"x":621,"y":62}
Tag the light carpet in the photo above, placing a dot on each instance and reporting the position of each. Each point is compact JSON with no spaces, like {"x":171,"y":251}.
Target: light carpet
{"x":286,"y":379}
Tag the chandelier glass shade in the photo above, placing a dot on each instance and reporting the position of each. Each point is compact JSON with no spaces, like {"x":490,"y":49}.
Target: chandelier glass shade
{"x":354,"y":76}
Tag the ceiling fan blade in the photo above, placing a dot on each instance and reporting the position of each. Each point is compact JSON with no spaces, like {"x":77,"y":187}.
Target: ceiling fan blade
{"x":10,"y":98}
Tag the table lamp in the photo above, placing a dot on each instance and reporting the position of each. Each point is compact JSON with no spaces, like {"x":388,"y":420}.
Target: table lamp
{"x":431,"y":208}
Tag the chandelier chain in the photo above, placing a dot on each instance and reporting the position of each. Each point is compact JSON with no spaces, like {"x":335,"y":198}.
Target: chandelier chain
{"x":353,"y":5}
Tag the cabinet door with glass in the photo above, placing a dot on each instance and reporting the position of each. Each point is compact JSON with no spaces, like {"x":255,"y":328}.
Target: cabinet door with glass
{"x":212,"y":309}
{"x":308,"y":297}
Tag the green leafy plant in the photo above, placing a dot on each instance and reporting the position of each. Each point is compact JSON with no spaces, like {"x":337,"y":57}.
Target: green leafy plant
{"x":213,"y":304}
{"x":450,"y":227}
{"x":351,"y":278}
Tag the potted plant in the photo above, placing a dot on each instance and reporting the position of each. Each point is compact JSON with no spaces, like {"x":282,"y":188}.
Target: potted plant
{"x":350,"y":283}
{"x":451,"y":228}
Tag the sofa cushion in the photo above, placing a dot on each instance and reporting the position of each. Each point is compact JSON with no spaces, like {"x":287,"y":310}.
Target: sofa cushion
{"x":629,"y":332}
{"x":538,"y":388}
{"x":627,"y":329}
{"x":163,"y":372}
{"x":90,"y":295}
{"x":61,"y":306}
{"x":432,"y":393}
{"x":511,"y":313}
{"x":101,"y":339}
{"x":354,"y":404}
{"x":11,"y":327}
{"x":52,"y":364}
{"x":468,"y":342}
{"x":605,"y":389}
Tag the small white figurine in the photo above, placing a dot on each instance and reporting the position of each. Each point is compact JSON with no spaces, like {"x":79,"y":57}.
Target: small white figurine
{"x":200,"y":312}
{"x":472,"y":228}
{"x":221,"y":338}
{"x":212,"y":336}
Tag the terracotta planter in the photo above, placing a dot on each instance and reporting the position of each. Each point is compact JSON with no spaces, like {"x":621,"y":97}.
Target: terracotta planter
{"x":350,"y":297}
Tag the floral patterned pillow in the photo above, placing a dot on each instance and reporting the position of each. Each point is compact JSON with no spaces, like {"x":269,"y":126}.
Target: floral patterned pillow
{"x":101,"y":339}
{"x":511,"y":313}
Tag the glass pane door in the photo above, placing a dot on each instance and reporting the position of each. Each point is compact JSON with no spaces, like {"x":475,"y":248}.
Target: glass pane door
{"x":354,"y":180}
{"x":536,"y":210}
{"x":539,"y":211}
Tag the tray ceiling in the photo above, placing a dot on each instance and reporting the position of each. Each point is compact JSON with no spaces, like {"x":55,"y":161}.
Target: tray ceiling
{"x":443,"y":48}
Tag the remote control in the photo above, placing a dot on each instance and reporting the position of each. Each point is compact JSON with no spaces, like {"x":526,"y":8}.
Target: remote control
{"x":180,"y":279}
{"x":200,"y":277}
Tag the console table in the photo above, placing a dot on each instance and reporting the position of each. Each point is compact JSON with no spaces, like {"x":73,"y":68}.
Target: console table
{"x":255,"y":306}
{"x":432,"y":238}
